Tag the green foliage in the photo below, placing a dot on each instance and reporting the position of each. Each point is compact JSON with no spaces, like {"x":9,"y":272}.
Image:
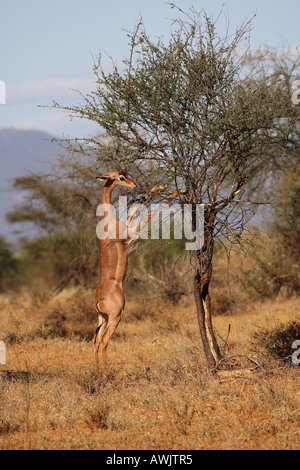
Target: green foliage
{"x":10,"y":265}
{"x":196,"y":114}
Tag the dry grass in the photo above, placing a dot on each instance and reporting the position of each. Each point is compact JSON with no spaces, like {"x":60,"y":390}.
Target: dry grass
{"x":159,"y":394}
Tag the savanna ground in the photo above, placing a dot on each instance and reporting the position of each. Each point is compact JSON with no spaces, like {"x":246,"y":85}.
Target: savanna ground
{"x":160,"y":394}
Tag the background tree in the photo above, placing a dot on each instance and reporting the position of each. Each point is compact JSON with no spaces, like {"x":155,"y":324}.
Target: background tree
{"x":275,"y":256}
{"x":274,"y":267}
{"x":60,"y":204}
{"x":192,"y":113}
{"x":10,"y":264}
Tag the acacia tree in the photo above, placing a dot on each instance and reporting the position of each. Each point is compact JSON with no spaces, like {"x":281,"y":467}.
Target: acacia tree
{"x":197,"y":116}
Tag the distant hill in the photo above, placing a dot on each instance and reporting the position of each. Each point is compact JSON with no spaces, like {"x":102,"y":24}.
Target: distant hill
{"x":21,"y":150}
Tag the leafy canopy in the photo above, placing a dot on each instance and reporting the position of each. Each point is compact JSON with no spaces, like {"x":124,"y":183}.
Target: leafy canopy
{"x":193,"y":112}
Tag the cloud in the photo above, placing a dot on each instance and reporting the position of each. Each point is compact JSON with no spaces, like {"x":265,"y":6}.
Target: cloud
{"x":55,"y":122}
{"x":22,"y":109}
{"x":46,"y":90}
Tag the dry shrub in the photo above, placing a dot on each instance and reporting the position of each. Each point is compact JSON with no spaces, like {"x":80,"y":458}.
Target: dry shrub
{"x":90,"y":382}
{"x":139,"y":311}
{"x":159,"y":269}
{"x":105,"y":414}
{"x":172,"y":281}
{"x":222,"y":302}
{"x":76,"y":319}
{"x":73,"y":317}
{"x":98,"y":414}
{"x":181,"y":414}
{"x":227,"y":297}
{"x":278,"y":341}
{"x":271,"y":268}
{"x":6,"y":426}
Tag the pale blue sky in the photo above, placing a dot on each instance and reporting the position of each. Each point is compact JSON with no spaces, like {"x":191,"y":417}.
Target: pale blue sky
{"x":46,"y":47}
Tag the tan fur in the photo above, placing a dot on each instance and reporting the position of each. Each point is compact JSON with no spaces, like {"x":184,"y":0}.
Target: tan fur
{"x":109,"y":296}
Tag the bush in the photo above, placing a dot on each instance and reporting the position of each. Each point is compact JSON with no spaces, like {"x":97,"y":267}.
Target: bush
{"x":159,"y":268}
{"x":9,"y":264}
{"x":278,"y":341}
{"x":74,"y":318}
{"x":274,"y":267}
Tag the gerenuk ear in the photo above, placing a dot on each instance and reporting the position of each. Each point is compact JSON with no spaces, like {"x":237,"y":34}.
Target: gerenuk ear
{"x":102,"y":178}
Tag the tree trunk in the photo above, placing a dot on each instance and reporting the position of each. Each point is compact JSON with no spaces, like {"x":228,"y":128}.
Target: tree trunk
{"x":202,"y":299}
{"x":202,"y":278}
{"x":201,"y":322}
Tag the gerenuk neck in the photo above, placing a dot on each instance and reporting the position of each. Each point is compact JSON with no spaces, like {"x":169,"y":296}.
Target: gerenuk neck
{"x":106,"y":192}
